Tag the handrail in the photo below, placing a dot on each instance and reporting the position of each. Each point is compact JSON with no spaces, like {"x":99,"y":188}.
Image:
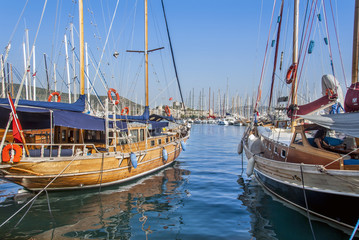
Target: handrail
{"x":59,"y":147}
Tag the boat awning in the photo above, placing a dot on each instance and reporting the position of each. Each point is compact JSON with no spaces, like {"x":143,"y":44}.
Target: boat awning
{"x":39,"y":118}
{"x":78,"y":106}
{"x":347,"y":123}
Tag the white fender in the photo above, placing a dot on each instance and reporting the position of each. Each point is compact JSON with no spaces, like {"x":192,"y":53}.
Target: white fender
{"x":250,"y":166}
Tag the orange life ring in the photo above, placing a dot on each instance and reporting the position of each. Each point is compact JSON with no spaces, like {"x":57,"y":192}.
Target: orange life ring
{"x":53,"y":94}
{"x":329,"y":91}
{"x":291,"y":72}
{"x":6,"y":153}
{"x":168,"y":111}
{"x":123,"y":110}
{"x":110,"y":96}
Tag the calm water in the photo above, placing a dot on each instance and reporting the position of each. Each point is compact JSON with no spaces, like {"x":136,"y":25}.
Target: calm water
{"x":202,"y":196}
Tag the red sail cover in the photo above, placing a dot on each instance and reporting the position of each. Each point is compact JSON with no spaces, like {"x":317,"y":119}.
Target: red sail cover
{"x":16,"y":126}
{"x":312,"y":106}
{"x":351,"y":103}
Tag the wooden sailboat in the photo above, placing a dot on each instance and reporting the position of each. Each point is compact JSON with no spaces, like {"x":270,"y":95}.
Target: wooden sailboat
{"x":323,"y":181}
{"x":77,"y":150}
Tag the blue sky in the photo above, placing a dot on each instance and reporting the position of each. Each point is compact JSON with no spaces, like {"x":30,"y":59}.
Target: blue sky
{"x":214,"y":42}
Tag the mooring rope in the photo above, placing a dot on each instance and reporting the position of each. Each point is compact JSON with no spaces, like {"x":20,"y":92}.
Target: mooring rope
{"x":355,"y":229}
{"x":306,"y":202}
{"x":32,"y":199}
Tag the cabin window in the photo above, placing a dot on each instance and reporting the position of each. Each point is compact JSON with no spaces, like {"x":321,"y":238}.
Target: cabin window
{"x":152,"y":143}
{"x":134,"y":135}
{"x":269,"y":146}
{"x":298,"y":139}
{"x":142,"y":135}
{"x":166,"y":140}
{"x":77,"y":135}
{"x":159,"y":141}
{"x":275,"y":150}
{"x":70,"y":137}
{"x":122,"y":138}
{"x":63,"y":136}
{"x":283,"y":153}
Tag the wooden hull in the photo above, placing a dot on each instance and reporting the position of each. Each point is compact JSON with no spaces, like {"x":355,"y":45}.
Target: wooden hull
{"x":331,"y":194}
{"x":99,"y":169}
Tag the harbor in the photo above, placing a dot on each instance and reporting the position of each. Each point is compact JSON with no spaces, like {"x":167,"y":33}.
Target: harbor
{"x":194,"y":198}
{"x":154,"y":120}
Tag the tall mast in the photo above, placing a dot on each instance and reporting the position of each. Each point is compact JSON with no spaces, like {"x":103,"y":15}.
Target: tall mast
{"x":82,"y":55}
{"x":34,"y":73}
{"x":146,"y":54}
{"x":295,"y":48}
{"x":67,"y":68}
{"x":295,"y":56}
{"x":355,"y":44}
{"x":276,"y":55}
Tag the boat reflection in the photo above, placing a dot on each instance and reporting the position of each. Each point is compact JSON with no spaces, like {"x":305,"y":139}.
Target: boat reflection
{"x":274,"y":219}
{"x":107,"y":213}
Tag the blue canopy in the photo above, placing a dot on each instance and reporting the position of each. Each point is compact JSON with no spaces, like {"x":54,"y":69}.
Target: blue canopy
{"x":144,"y":116}
{"x":78,"y":106}
{"x":38,"y":118}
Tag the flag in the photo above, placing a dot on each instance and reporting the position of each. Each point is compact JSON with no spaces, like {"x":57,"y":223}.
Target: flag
{"x":16,"y":126}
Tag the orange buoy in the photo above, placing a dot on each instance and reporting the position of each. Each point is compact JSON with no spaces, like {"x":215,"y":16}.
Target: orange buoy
{"x":54,"y":94}
{"x":291,"y":72}
{"x":111,"y":90}
{"x":6,"y":153}
{"x":168,"y":111}
{"x":123,"y":110}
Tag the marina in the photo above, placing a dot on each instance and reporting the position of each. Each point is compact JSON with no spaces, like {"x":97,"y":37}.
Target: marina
{"x":154,"y":120}
{"x":191,"y":199}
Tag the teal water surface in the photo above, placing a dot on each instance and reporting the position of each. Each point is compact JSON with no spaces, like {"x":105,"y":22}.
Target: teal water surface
{"x":204,"y":195}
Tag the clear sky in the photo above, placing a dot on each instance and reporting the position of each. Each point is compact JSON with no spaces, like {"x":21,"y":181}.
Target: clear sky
{"x":215,"y":42}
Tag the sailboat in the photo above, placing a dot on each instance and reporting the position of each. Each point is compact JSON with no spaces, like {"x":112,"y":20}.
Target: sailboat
{"x":68,"y":149}
{"x":323,"y":181}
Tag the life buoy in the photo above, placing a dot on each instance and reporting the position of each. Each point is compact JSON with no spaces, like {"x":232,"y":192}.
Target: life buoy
{"x":54,"y":94}
{"x":123,"y":110}
{"x":6,"y":153}
{"x":329,"y":92}
{"x":110,"y":96}
{"x":291,"y":72}
{"x":168,"y":111}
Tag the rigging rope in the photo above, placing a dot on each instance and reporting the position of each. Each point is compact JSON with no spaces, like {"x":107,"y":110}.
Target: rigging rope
{"x":34,"y":198}
{"x":173,"y":57}
{"x":340,"y":52}
{"x":264,"y":61}
{"x":104,"y":47}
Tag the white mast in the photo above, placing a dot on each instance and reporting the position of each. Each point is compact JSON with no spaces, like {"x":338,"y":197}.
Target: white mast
{"x":87,"y":76}
{"x":25,"y":69}
{"x":34,"y":72}
{"x":67,"y":69}
{"x":2,"y":77}
{"x":28,"y":62}
{"x":55,"y":82}
{"x":73,"y":59}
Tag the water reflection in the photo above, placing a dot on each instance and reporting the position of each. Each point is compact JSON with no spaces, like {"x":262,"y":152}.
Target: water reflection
{"x":273,"y":219}
{"x":134,"y":210}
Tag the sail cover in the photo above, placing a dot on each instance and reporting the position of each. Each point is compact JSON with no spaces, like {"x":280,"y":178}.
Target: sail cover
{"x":347,"y":123}
{"x":78,"y":106}
{"x":39,"y":118}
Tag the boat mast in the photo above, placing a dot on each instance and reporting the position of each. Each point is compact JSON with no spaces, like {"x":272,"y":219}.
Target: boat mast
{"x":355,"y":44}
{"x":146,"y":54}
{"x":295,"y":54}
{"x":82,"y":55}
